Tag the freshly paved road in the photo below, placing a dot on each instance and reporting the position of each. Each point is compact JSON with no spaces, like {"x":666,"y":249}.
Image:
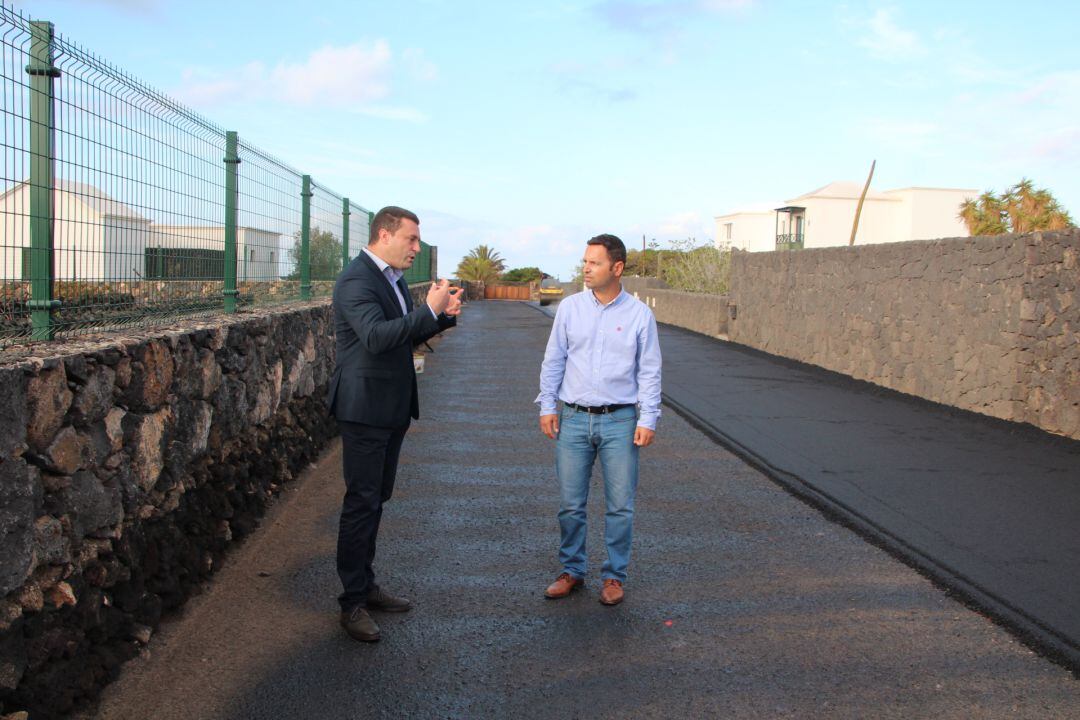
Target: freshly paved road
{"x":988,"y":508}
{"x":743,"y":602}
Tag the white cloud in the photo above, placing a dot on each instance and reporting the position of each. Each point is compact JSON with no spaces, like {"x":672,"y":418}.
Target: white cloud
{"x":1049,"y":111}
{"x":555,"y":249}
{"x":597,"y":91}
{"x":649,"y":17}
{"x":888,"y":41}
{"x":349,"y":75}
{"x":675,"y":227}
{"x":683,"y":225}
{"x":353,"y":77}
{"x":909,"y":135}
{"x":138,"y":7}
{"x":419,"y":66}
{"x":728,"y":5}
{"x":1060,"y":90}
{"x":1060,"y":145}
{"x":345,"y":165}
{"x":391,"y":112}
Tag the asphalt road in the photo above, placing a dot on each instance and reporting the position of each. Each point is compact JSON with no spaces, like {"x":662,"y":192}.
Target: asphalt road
{"x":989,"y":508}
{"x":742,"y":601}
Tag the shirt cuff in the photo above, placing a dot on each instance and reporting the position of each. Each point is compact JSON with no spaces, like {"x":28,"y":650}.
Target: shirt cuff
{"x":433,"y":313}
{"x":648,"y":420}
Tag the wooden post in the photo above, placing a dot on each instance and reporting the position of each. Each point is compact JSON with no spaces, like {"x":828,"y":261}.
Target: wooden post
{"x":858,"y":208}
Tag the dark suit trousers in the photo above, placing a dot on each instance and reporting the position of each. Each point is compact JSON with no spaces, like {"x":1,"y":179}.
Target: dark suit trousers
{"x":369,"y":459}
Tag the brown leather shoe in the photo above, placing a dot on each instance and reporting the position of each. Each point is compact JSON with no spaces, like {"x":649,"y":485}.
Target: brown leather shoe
{"x":612,"y":594}
{"x":359,"y":625}
{"x":379,"y":599}
{"x":563,"y":586}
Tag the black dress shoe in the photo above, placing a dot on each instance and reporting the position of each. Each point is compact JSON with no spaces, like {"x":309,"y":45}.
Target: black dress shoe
{"x":359,"y":625}
{"x":379,"y":599}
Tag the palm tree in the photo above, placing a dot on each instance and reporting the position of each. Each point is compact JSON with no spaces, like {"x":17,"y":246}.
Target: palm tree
{"x":482,"y":264}
{"x":984,"y":216}
{"x":1020,"y":209}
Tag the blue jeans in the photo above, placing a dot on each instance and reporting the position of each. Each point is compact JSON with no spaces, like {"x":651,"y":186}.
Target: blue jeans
{"x":582,"y":437}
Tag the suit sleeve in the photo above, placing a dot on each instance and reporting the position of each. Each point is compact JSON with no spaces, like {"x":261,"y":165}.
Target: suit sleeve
{"x":443,"y":321}
{"x":377,"y":334}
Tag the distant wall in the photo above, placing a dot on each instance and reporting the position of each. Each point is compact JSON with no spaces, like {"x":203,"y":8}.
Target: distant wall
{"x":989,"y":324}
{"x":569,"y":288}
{"x":706,"y":314}
{"x":127,"y":467}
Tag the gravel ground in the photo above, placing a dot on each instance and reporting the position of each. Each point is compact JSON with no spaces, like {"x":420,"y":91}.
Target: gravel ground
{"x":742,"y":602}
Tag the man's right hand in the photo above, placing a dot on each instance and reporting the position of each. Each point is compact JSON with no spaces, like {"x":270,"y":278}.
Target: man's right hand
{"x":453,"y":307}
{"x":438,"y":296}
{"x":549,"y":425}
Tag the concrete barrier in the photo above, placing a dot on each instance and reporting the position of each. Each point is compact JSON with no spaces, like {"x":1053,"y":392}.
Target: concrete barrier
{"x":706,"y":314}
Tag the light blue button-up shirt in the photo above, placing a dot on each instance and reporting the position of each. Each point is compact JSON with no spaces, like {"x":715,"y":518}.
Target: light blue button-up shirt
{"x":602,"y":355}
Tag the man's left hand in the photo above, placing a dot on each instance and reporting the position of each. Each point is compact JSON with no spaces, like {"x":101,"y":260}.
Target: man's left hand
{"x":643,"y":437}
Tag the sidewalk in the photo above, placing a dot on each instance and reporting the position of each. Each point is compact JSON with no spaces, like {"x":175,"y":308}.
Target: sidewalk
{"x":742,"y":602}
{"x":988,"y":508}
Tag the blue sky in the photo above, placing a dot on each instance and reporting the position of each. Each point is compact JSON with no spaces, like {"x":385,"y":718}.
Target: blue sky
{"x":533,"y":126}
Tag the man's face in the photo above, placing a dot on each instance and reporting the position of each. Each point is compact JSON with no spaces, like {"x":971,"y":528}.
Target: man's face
{"x":400,"y":247}
{"x":599,"y":271}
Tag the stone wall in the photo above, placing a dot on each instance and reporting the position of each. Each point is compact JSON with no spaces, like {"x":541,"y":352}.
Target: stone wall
{"x":706,"y":314}
{"x":127,"y":466}
{"x":1048,"y":363}
{"x":988,"y":324}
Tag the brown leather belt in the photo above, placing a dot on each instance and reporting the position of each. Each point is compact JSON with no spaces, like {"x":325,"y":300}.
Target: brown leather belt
{"x":598,"y":409}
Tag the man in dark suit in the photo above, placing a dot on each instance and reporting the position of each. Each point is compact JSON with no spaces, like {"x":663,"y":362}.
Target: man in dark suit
{"x":373,"y":396}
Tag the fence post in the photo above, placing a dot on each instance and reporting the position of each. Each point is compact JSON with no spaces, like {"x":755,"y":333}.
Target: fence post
{"x":42,"y":180}
{"x":345,"y":232}
{"x":305,"y":239}
{"x":232,"y":159}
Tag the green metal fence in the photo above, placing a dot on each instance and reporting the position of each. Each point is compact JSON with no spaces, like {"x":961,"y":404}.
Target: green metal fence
{"x":119,"y":206}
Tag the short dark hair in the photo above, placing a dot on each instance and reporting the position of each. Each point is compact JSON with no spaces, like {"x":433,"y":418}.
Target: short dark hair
{"x":389,"y":218}
{"x":614,"y":246}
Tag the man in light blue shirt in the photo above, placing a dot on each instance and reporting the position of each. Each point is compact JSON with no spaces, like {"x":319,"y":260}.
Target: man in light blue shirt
{"x":603,"y":362}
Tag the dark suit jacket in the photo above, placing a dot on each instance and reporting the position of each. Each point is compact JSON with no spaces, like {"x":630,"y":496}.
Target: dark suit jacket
{"x":374,"y":382}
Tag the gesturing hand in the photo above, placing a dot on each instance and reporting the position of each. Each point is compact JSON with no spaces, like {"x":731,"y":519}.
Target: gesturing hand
{"x":453,"y":307}
{"x":438,"y":296}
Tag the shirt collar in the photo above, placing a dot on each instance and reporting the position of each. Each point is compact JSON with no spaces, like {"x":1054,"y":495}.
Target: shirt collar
{"x":384,"y":267}
{"x":616,"y":301}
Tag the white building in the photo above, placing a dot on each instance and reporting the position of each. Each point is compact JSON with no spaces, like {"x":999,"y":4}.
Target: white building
{"x":823,"y":218}
{"x":749,"y":229}
{"x":258,"y":252}
{"x":99,"y":239}
{"x":95,"y":237}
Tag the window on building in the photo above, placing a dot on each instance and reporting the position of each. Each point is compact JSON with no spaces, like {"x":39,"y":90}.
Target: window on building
{"x":727,"y":231}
